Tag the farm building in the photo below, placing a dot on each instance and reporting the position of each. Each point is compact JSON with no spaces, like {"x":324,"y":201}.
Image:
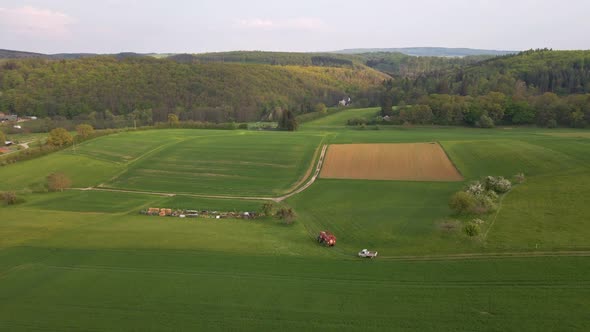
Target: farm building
{"x":8,"y":117}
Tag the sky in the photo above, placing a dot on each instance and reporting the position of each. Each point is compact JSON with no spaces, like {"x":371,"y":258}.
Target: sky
{"x":184,"y":26}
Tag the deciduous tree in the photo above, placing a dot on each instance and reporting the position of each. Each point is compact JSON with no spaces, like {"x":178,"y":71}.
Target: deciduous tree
{"x":287,"y":215}
{"x":173,"y":119}
{"x":84,"y":130}
{"x":58,"y":182}
{"x":59,"y":137}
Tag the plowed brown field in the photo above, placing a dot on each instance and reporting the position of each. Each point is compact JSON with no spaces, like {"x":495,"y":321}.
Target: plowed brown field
{"x":411,"y":162}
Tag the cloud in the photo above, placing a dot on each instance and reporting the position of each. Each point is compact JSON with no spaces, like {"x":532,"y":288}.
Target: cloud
{"x":35,"y":22}
{"x":301,"y":23}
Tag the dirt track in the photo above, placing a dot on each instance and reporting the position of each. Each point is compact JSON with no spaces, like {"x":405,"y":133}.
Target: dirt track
{"x":404,"y":162}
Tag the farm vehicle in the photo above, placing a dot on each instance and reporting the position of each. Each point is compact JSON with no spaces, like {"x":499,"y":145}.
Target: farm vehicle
{"x":327,"y":238}
{"x":367,"y":253}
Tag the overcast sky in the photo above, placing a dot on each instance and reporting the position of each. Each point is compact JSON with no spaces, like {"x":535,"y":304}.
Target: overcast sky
{"x":174,"y":26}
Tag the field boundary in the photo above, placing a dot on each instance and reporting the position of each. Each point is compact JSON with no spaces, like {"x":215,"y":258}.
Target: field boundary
{"x":309,"y":170}
{"x":314,"y":177}
{"x":450,"y":159}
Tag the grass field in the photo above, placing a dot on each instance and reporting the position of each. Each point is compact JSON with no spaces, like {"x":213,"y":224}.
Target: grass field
{"x":87,"y":260}
{"x":339,"y":119}
{"x":244,"y":164}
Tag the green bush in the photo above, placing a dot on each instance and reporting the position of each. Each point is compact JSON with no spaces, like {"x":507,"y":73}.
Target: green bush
{"x":485,"y":122}
{"x":463,"y":203}
{"x":471,"y":229}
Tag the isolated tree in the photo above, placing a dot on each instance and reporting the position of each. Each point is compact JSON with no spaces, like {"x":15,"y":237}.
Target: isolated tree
{"x":58,"y":182}
{"x":173,"y":119}
{"x":59,"y":137}
{"x":288,"y":121}
{"x":287,"y":215}
{"x":84,"y":130}
{"x":386,"y":103}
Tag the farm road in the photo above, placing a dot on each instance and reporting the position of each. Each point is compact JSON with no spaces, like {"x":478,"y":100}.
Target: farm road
{"x":249,"y":198}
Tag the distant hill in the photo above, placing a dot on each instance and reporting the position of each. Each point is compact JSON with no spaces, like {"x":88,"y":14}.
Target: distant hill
{"x":204,"y":91}
{"x":534,"y":72}
{"x":10,"y":54}
{"x":428,"y":51}
{"x":271,"y":58}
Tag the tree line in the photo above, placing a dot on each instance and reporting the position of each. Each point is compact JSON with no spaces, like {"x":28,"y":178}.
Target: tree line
{"x":494,"y":108}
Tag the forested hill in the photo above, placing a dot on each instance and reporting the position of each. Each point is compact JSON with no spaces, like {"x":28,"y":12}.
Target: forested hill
{"x":272,"y":58}
{"x":402,"y":65}
{"x":392,"y":63}
{"x":428,"y":51}
{"x":206,"y":91}
{"x":542,"y":87}
{"x":11,"y":54}
{"x":537,"y":72}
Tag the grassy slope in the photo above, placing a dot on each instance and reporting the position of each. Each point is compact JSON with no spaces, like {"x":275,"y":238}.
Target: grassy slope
{"x":32,"y":174}
{"x":192,"y":290}
{"x":89,"y":257}
{"x":339,"y":119}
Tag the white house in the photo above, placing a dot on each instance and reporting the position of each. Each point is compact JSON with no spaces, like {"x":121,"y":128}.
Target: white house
{"x":345,"y":102}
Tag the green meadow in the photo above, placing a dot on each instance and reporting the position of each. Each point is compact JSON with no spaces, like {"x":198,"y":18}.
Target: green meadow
{"x":87,"y":260}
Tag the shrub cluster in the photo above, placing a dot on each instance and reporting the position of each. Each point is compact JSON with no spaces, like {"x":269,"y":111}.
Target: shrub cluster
{"x":480,"y":197}
{"x":497,"y":184}
{"x":356,"y":122}
{"x":10,"y":198}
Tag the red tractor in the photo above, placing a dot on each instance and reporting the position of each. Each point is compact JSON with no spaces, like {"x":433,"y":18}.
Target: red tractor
{"x":327,"y":238}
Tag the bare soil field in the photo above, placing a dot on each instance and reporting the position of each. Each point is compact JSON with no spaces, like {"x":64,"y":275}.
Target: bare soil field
{"x":404,"y":162}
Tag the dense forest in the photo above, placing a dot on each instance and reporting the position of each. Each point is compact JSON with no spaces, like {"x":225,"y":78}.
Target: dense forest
{"x":393,"y":63}
{"x":272,"y":58}
{"x":215,"y":92}
{"x":399,"y":65}
{"x":443,"y":52}
{"x":542,"y":87}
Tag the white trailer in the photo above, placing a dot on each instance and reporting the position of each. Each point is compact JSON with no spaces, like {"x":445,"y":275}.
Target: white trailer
{"x":367,"y":253}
